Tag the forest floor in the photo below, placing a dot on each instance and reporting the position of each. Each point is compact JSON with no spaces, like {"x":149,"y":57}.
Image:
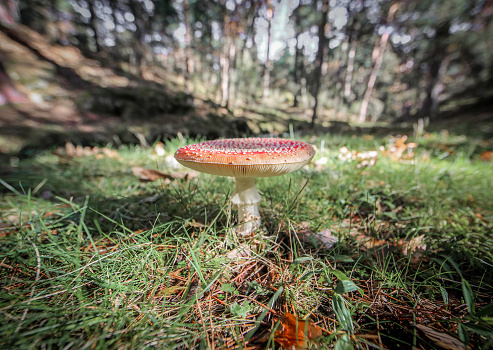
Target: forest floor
{"x":384,"y":241}
{"x":381,"y":242}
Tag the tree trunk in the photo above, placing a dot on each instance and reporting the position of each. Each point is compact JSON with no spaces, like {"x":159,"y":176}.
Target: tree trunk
{"x":140,"y":46}
{"x":435,"y":88}
{"x":322,"y":46}
{"x":188,"y":60}
{"x":266,"y":81}
{"x":298,"y":55}
{"x":232,"y":73}
{"x":93,"y":26}
{"x":350,"y":69}
{"x":438,"y":67}
{"x":378,"y":58}
{"x":224,"y":60}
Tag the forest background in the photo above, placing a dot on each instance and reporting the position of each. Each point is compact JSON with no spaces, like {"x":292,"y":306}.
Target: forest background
{"x":235,"y":68}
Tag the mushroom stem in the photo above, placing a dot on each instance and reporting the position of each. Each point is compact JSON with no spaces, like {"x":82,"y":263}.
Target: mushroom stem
{"x":245,"y":200}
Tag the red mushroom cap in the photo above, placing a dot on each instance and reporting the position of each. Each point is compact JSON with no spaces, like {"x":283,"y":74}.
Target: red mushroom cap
{"x":247,"y":157}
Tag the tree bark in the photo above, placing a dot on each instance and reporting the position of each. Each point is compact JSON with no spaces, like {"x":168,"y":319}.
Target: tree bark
{"x":349,"y":69}
{"x":232,"y":72}
{"x":93,"y":26}
{"x":322,"y":46}
{"x":434,"y":89}
{"x":438,"y":67}
{"x":140,"y":47}
{"x":224,"y":59}
{"x":298,"y":55}
{"x":378,"y":57}
{"x":266,"y":80}
{"x":188,"y":40}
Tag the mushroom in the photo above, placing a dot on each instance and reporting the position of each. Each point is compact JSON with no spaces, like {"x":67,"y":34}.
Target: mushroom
{"x":246,"y":159}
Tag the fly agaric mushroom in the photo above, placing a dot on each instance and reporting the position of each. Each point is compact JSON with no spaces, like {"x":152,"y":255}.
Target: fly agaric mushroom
{"x":246,"y":159}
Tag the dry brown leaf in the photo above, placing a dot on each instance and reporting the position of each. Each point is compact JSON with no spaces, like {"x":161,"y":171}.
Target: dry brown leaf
{"x":323,"y":239}
{"x":168,"y":291}
{"x":294,"y":333}
{"x":366,"y":242}
{"x":78,"y":151}
{"x":149,"y":174}
{"x":69,"y":149}
{"x":442,"y":339}
{"x":407,"y":248}
{"x":399,"y":149}
{"x":411,"y":246}
{"x":185,"y":175}
{"x":243,"y":251}
{"x":110,"y":153}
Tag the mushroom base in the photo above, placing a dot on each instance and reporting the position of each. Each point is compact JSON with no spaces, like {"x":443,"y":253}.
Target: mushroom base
{"x":245,"y":200}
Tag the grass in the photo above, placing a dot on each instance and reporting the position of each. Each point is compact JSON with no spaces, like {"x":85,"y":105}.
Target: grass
{"x":92,"y":258}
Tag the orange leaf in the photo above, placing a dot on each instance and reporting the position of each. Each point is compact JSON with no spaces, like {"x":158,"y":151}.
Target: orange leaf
{"x":487,"y":156}
{"x":294,"y":333}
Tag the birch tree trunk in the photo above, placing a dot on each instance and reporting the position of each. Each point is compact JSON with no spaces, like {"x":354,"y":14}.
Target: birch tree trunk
{"x":350,"y":69}
{"x":224,"y":60}
{"x":266,"y":81}
{"x":378,"y":58}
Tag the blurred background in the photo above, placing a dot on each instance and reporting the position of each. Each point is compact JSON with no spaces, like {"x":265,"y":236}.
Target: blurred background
{"x":133,"y":71}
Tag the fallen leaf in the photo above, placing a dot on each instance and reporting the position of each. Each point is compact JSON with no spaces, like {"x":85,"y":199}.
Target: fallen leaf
{"x":411,"y":246}
{"x":398,"y":149}
{"x":323,"y":239}
{"x":487,"y":156}
{"x":69,"y":149}
{"x":366,"y":242}
{"x":167,"y":291}
{"x":110,"y":153}
{"x":294,"y":333}
{"x":243,"y":251}
{"x":149,"y":174}
{"x":184,"y":175}
{"x":78,"y":151}
{"x":442,"y":339}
